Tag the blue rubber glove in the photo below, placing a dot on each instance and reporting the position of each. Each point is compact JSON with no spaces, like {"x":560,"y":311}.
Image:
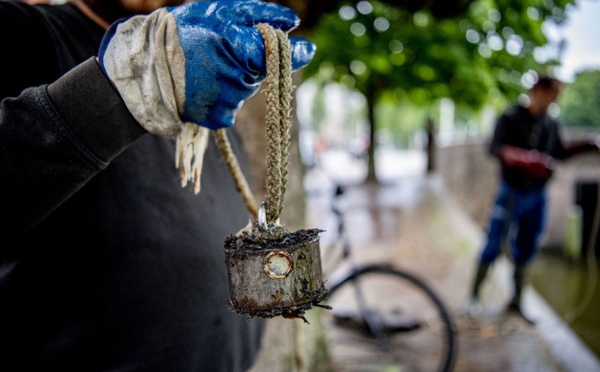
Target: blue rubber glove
{"x":195,"y":62}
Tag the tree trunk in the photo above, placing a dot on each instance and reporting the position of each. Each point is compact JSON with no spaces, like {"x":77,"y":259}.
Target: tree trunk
{"x":430,"y":128}
{"x":371,"y":173}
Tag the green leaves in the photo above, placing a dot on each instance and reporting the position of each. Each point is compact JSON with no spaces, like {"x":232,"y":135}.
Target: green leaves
{"x":580,"y":103}
{"x":374,"y":47}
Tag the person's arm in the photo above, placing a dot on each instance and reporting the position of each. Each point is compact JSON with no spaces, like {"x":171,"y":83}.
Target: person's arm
{"x":54,"y":139}
{"x":533,"y":162}
{"x":577,"y":148}
{"x":563,"y":152}
{"x":195,"y":63}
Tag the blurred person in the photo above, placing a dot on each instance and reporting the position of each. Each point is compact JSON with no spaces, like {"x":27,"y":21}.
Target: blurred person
{"x":527,"y":143}
{"x":106,"y":262}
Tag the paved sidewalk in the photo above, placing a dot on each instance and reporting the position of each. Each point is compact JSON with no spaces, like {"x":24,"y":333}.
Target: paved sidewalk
{"x":415,"y":224}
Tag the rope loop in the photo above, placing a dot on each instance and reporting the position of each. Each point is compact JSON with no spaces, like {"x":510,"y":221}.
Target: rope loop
{"x":278,"y":118}
{"x":278,"y":88}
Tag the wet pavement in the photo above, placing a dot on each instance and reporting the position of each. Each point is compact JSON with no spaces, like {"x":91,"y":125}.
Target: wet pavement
{"x":413,"y":223}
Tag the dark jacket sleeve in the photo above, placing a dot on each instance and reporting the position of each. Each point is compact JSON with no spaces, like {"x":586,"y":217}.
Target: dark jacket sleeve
{"x":554,"y":146}
{"x":54,"y":139}
{"x":561,"y":151}
{"x":574,"y":149}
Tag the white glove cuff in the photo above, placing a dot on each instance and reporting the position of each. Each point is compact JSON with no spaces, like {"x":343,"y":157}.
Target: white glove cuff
{"x":146,"y":63}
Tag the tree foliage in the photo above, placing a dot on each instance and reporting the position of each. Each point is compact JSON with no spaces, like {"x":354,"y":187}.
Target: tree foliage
{"x":481,"y":55}
{"x":311,"y":11}
{"x":580,"y":103}
{"x":485,"y":55}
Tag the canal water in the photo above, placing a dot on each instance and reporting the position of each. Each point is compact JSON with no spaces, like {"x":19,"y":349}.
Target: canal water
{"x":572,"y":289}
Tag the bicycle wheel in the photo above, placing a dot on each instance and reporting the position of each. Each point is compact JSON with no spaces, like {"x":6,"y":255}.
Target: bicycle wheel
{"x":385,"y":318}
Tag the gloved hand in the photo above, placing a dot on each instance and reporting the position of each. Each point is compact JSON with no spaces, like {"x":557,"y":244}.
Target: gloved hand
{"x":195,"y":63}
{"x":534,"y":163}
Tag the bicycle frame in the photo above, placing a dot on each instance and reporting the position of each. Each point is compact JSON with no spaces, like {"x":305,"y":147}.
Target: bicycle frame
{"x":372,"y":321}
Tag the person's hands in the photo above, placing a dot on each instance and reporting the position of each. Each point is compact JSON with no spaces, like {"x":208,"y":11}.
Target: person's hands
{"x":536,"y":164}
{"x":195,"y":62}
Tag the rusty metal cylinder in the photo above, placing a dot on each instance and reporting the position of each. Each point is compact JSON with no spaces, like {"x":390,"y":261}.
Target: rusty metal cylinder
{"x":269,"y":278}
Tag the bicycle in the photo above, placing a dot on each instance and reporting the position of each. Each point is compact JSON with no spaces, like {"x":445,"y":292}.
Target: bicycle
{"x":411,"y":327}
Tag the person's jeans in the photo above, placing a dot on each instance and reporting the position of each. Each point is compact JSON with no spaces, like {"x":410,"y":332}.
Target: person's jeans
{"x":523,"y":210}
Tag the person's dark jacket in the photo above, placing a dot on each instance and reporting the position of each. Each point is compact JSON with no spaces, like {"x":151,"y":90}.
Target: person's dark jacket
{"x":517,"y":127}
{"x":106,"y":262}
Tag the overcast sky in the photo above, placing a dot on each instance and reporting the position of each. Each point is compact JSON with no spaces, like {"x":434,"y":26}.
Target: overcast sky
{"x":582,"y":32}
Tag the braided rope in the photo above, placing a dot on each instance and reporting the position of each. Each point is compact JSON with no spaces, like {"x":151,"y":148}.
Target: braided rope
{"x":272,"y":122}
{"x":241,"y":184}
{"x":279,"y":89}
{"x":278,"y":118}
{"x":285,"y":91}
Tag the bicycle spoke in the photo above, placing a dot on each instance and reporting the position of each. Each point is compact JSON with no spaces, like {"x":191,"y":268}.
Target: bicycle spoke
{"x":384,"y":315}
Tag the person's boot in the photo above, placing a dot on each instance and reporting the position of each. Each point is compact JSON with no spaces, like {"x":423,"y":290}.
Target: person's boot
{"x":519,"y":281}
{"x":474,"y":307}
